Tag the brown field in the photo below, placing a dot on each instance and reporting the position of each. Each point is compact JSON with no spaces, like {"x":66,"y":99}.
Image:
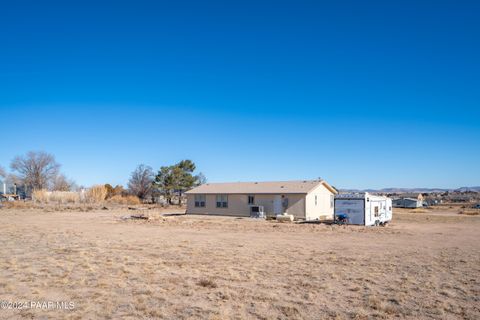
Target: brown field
{"x":423,"y":265}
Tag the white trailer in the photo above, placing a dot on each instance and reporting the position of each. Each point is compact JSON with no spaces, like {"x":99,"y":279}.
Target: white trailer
{"x":363,"y":208}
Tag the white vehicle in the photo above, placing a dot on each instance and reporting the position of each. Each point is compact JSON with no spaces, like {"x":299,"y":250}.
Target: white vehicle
{"x":363,"y":209}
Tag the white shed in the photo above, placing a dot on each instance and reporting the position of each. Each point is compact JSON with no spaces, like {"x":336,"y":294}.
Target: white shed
{"x":363,"y":208}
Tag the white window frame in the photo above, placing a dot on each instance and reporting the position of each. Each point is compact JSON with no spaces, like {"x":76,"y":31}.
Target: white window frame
{"x":200,"y":201}
{"x":251,"y":196}
{"x":221,"y":201}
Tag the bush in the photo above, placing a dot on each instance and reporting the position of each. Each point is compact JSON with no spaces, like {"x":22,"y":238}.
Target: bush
{"x":96,"y":194}
{"x":40,"y":196}
{"x":207,"y":283}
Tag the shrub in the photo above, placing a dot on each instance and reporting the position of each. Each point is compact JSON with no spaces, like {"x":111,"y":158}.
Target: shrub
{"x":207,"y":283}
{"x":113,"y":191}
{"x":40,"y":196}
{"x":96,"y":194}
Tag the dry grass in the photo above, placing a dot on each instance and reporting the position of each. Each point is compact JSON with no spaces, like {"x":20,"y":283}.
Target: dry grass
{"x":419,"y":210}
{"x":96,"y":194}
{"x":17,"y":205}
{"x":472,"y":212}
{"x":63,"y":197}
{"x":124,"y":200}
{"x":40,"y":196}
{"x":93,"y":195}
{"x":198,"y":267}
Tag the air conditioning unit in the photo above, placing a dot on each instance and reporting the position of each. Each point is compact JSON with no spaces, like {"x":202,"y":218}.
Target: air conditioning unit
{"x":257,"y":212}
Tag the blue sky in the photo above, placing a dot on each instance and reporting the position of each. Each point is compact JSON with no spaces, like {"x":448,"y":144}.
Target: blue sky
{"x":364,"y":94}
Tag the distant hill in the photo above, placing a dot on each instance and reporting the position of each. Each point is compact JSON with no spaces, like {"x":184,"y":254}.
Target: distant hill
{"x":412,"y":190}
{"x":463,"y":189}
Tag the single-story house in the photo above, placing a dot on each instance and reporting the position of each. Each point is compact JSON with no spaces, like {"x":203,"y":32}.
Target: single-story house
{"x":308,"y":199}
{"x":412,"y":195}
{"x":407,"y":203}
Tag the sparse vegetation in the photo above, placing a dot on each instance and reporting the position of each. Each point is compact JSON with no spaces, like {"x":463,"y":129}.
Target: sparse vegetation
{"x":114,"y":191}
{"x":207,"y":283}
{"x":419,"y":210}
{"x":96,"y":194}
{"x":471,"y":212}
{"x":177,"y":266}
{"x":37,"y":175}
{"x":61,"y":197}
{"x":125,"y":200}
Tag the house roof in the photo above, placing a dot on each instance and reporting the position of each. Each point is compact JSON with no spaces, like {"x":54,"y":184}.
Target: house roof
{"x":408,"y":199}
{"x":272,"y":187}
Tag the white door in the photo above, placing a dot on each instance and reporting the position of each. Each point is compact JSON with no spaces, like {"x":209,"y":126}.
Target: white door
{"x":277,"y":205}
{"x":375,"y":211}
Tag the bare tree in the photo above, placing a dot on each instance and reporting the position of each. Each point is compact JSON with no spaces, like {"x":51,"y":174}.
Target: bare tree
{"x":35,"y":169}
{"x":140,"y":183}
{"x":61,"y":183}
{"x":2,"y":172}
{"x":200,"y":179}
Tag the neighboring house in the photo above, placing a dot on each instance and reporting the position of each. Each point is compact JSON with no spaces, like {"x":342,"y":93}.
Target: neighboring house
{"x":309,"y":200}
{"x":5,"y":192}
{"x":412,"y":195}
{"x":407,"y":203}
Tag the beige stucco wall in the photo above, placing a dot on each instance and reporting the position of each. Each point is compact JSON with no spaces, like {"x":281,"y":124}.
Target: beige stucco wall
{"x":323,"y":206}
{"x":238,"y":205}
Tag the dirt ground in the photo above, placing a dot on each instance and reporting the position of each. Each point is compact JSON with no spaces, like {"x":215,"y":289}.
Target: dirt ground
{"x":423,"y":265}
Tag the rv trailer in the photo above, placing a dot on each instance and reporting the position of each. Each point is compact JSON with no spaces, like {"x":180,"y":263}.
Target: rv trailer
{"x":363,"y":209}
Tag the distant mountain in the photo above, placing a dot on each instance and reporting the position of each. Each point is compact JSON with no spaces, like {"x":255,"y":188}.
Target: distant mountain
{"x":412,"y":190}
{"x":464,"y":189}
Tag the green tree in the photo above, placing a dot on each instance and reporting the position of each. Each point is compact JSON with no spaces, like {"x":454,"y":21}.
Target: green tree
{"x":177,"y":178}
{"x":164,"y":182}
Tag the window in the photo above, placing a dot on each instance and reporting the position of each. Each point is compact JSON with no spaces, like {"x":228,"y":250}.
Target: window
{"x":200,"y":200}
{"x":251,"y":199}
{"x":332,"y":200}
{"x":222,"y":201}
{"x":315,"y":199}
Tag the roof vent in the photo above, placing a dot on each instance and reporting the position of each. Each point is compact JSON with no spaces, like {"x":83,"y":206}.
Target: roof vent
{"x":281,"y":186}
{"x":256,"y":182}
